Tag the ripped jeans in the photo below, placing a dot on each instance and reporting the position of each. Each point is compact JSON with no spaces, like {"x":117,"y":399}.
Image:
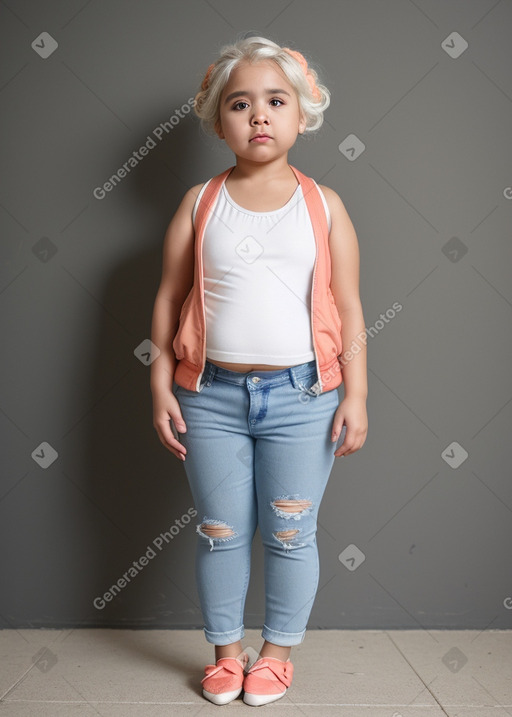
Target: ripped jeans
{"x":259,"y":454}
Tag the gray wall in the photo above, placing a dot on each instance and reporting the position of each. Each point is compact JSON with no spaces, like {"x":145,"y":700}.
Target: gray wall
{"x":430,"y":197}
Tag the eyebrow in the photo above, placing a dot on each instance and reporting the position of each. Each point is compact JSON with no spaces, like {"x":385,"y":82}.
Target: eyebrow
{"x":241,"y":93}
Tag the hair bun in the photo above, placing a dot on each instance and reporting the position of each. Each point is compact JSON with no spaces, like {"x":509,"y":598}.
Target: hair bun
{"x":307,"y":72}
{"x":206,"y":80}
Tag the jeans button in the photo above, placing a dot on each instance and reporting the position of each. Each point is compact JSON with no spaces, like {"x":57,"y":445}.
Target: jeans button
{"x":255,"y":379}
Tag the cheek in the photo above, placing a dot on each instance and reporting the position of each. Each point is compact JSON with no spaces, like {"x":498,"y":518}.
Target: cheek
{"x":231,"y":124}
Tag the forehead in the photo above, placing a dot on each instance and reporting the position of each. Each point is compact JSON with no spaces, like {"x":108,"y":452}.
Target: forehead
{"x":246,"y":72}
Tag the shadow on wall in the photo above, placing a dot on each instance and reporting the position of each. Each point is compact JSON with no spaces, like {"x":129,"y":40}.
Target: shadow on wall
{"x":128,"y":558}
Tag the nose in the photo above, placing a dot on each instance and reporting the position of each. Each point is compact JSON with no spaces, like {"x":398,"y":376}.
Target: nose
{"x":260,"y":115}
{"x":259,"y":119}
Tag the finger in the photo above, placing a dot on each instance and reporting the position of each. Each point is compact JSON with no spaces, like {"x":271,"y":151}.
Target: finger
{"x":177,"y":426}
{"x":175,"y":451}
{"x":345,"y":449}
{"x":340,"y":437}
{"x":169,"y":438}
{"x":337,"y":423}
{"x":179,"y":423}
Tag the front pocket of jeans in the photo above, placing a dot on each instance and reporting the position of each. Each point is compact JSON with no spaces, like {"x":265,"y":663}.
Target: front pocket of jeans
{"x":181,"y":391}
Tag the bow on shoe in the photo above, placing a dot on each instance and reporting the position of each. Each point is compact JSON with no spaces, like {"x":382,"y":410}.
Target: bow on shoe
{"x":283,"y":671}
{"x":213,"y":669}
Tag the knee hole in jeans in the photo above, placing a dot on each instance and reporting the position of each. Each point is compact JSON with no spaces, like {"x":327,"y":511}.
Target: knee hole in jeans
{"x":290,"y":508}
{"x":215,"y":530}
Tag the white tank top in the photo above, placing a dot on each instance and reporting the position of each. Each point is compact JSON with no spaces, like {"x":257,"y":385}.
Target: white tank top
{"x":258,"y":269}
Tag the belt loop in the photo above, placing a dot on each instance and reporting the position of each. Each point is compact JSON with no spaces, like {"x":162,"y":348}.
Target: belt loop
{"x":293,"y":370}
{"x":293,"y":377}
{"x":211,"y":371}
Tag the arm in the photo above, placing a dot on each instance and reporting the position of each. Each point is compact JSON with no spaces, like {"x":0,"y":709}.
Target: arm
{"x":175,"y":284}
{"x":344,"y":251}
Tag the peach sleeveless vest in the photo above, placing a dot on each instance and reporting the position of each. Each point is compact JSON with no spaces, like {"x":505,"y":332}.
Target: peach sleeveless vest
{"x":189,"y":343}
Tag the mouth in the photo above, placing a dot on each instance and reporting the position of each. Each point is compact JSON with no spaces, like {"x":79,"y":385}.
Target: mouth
{"x":260,"y":138}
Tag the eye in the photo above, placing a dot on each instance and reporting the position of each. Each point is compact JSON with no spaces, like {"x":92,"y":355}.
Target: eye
{"x":236,"y":106}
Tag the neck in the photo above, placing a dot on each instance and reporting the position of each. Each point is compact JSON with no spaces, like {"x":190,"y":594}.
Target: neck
{"x":262,"y":171}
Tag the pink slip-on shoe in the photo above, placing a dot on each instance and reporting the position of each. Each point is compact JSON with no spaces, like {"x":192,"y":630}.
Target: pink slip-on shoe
{"x":267,"y":680}
{"x":223,"y":682}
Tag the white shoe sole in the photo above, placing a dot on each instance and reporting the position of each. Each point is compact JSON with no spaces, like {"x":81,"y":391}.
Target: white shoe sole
{"x":258,"y":700}
{"x":223,"y":698}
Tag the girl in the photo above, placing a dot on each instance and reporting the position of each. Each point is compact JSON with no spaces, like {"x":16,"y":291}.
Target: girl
{"x":259,"y":293}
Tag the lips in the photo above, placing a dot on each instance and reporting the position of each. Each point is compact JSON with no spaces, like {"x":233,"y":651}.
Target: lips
{"x":260,"y":137}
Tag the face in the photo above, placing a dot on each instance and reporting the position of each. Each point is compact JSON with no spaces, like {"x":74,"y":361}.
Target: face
{"x":265,"y":103}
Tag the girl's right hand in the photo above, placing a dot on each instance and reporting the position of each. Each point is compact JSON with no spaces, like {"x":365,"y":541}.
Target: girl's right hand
{"x":166,"y":409}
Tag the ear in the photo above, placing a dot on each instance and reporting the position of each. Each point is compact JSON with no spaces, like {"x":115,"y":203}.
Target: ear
{"x":218,"y":129}
{"x":302,"y":123}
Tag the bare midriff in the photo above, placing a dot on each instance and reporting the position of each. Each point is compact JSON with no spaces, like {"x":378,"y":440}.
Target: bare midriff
{"x":246,"y":367}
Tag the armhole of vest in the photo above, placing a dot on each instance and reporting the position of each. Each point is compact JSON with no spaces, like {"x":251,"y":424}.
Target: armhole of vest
{"x":196,"y":203}
{"x":326,"y":207}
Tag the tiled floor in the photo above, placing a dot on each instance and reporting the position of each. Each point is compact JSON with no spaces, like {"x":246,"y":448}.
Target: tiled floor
{"x":152,"y":673}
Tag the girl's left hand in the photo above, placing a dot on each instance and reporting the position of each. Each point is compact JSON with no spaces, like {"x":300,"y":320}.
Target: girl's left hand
{"x":352,"y":413}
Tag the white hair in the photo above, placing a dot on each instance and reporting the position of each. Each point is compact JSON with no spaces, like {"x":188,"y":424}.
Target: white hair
{"x":252,"y":50}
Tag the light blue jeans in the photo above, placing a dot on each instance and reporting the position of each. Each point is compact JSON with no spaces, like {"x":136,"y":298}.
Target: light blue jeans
{"x":253,"y":439}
